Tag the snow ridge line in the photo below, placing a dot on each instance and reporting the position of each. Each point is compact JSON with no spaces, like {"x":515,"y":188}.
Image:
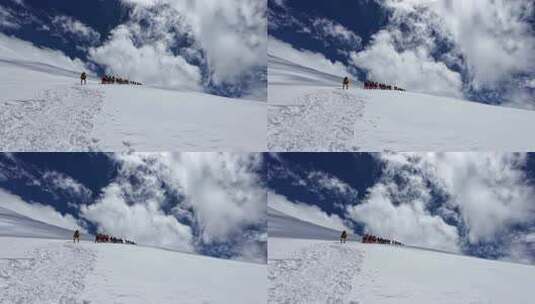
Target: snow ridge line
{"x":51,"y":274}
{"x":322,"y":273}
{"x":323,"y":121}
{"x":59,"y":119}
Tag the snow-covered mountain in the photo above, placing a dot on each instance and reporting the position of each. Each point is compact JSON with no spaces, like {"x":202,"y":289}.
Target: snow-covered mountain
{"x":309,"y":111}
{"x":43,"y":107}
{"x":313,"y":267}
{"x":40,"y":264}
{"x":281,"y":225}
{"x":13,"y":223}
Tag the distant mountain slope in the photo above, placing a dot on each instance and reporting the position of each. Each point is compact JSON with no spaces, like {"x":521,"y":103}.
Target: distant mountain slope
{"x":12,"y":223}
{"x":282,"y":225}
{"x":310,"y":112}
{"x":285,"y":72}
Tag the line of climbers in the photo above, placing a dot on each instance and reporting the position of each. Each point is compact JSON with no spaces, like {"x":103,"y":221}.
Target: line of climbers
{"x":104,"y":238}
{"x":112,"y":80}
{"x":372,"y":85}
{"x":369,"y":238}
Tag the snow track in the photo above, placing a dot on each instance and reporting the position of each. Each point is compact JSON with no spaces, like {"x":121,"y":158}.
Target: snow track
{"x":58,"y":119}
{"x":321,"y":121}
{"x":50,"y":274}
{"x":294,"y":279}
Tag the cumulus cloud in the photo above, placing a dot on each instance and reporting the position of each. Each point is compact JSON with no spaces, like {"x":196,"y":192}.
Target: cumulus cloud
{"x":408,"y":222}
{"x":39,"y":212}
{"x":490,"y":42}
{"x":185,"y":201}
{"x":483,"y":198}
{"x":413,"y":68}
{"x":495,"y":37}
{"x":229,"y":41}
{"x":489,"y":190}
{"x":306,"y":212}
{"x":143,"y":222}
{"x":149,"y":63}
{"x":223,"y":190}
{"x":76,"y":28}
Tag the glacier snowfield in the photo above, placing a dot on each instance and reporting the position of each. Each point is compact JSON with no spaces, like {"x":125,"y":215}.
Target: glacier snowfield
{"x":309,"y":112}
{"x":40,"y":264}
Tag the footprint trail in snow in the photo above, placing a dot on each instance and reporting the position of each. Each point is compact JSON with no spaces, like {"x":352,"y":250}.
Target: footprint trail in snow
{"x":322,"y":121}
{"x":51,"y":274}
{"x":321,"y":273}
{"x":59,"y":119}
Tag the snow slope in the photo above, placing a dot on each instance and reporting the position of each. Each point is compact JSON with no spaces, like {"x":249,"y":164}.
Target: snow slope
{"x":309,"y":270}
{"x":39,"y":265}
{"x":282,"y":225}
{"x":44,"y":108}
{"x":12,"y":223}
{"x":308,"y":111}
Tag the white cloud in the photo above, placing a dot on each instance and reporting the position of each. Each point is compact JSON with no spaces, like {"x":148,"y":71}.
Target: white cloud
{"x":413,"y":69}
{"x":231,"y":35}
{"x":143,"y":222}
{"x":521,"y":248}
{"x":331,"y":183}
{"x":54,"y":182}
{"x":327,"y":31}
{"x":148,"y":63}
{"x":280,"y":2}
{"x":342,"y":36}
{"x":218,"y":193}
{"x":7,"y":20}
{"x":253,"y":250}
{"x":60,"y":181}
{"x":39,"y":212}
{"x":305,"y":212}
{"x":223,"y":191}
{"x":281,"y":18}
{"x":494,"y":36}
{"x":19,"y":2}
{"x":16,"y":49}
{"x":75,"y":27}
{"x":485,"y":193}
{"x":491,"y":41}
{"x":489,"y":190}
{"x":408,"y":222}
{"x":319,"y":182}
{"x":305,"y":58}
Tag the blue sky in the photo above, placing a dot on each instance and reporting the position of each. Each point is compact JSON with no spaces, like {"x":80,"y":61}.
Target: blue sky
{"x":164,"y":200}
{"x":163,"y":43}
{"x":475,"y":203}
{"x":481,"y":51}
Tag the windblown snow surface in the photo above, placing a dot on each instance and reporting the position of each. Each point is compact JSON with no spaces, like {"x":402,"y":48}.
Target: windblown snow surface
{"x":304,"y":268}
{"x":309,"y":111}
{"x":43,"y":107}
{"x":40,"y":264}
